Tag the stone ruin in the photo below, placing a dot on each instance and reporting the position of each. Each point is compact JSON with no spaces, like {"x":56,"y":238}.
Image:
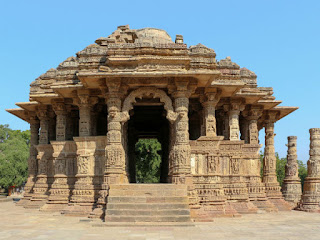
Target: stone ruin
{"x":87,"y":114}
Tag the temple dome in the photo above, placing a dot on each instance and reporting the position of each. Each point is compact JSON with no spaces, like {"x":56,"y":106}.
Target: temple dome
{"x":152,"y":35}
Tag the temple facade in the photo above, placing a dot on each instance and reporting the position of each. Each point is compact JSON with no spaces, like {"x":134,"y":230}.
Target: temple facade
{"x":87,"y":114}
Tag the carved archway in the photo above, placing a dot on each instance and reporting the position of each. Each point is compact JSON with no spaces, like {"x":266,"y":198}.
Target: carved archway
{"x":148,"y":92}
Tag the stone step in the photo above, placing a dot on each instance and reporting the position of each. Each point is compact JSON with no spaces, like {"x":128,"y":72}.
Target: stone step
{"x":147,"y":187}
{"x":147,"y":199}
{"x":156,"y":190}
{"x":144,"y":224}
{"x":171,"y":212}
{"x":147,"y":206}
{"x":147,"y":203}
{"x":113,"y":218}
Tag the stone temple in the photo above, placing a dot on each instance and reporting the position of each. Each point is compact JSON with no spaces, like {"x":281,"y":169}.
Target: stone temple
{"x":87,"y":114}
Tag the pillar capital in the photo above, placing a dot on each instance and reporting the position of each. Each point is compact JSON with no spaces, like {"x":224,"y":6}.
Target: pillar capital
{"x":253,"y":112}
{"x":271,"y":116}
{"x":42,"y":112}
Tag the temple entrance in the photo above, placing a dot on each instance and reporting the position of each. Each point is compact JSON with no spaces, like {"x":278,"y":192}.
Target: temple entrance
{"x":148,"y":143}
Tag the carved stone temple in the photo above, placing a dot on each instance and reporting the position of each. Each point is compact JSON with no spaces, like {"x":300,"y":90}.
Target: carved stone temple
{"x":87,"y":114}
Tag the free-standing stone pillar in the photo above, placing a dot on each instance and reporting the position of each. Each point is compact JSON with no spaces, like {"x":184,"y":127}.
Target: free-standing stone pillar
{"x":269,"y":160}
{"x":32,"y":161}
{"x":44,"y":164}
{"x":291,"y":188}
{"x":311,"y":190}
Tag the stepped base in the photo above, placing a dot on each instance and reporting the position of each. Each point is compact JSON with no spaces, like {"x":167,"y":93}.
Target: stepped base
{"x":50,"y":207}
{"x":243,"y":207}
{"x":78,"y":210}
{"x":281,"y":204}
{"x":35,"y":203}
{"x":265,"y":205}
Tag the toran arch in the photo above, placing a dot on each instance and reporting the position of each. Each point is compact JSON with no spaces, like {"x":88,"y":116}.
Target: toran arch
{"x":171,"y":116}
{"x":147,"y":92}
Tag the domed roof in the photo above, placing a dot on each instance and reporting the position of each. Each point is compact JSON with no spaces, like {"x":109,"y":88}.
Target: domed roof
{"x":152,"y":35}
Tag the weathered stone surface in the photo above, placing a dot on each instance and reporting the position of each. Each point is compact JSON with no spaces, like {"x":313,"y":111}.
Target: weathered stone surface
{"x":310,"y":200}
{"x":90,"y":111}
{"x":291,"y":188}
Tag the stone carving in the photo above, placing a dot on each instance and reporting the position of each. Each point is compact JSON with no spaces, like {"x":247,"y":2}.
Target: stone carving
{"x":269,"y":160}
{"x":311,"y":195}
{"x":149,"y":92}
{"x":204,"y":100}
{"x":234,"y":166}
{"x":291,"y":188}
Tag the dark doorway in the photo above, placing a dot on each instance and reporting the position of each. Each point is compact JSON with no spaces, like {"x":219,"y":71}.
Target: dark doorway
{"x":148,"y":143}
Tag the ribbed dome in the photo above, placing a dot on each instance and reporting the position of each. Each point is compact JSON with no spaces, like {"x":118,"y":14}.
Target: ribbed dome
{"x":152,"y":35}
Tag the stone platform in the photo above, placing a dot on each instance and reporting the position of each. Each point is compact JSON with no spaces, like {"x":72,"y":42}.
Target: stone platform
{"x":20,"y":223}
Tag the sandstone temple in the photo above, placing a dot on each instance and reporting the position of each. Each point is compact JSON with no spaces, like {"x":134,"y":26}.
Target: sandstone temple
{"x":87,"y":114}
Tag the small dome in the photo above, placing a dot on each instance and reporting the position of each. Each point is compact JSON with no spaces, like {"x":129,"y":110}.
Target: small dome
{"x":152,"y":35}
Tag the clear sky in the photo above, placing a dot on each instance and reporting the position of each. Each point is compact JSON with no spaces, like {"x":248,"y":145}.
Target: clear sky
{"x":278,"y":40}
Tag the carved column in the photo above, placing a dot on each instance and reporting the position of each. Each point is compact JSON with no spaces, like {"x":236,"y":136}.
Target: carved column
{"x":44,"y":160}
{"x":269,"y":160}
{"x":212,"y":97}
{"x":85,"y":103}
{"x":115,"y":155}
{"x":252,"y":115}
{"x":85,"y":193}
{"x":32,"y":160}
{"x":62,"y":149}
{"x":233,"y":110}
{"x":180,"y":154}
{"x":311,"y":190}
{"x":291,"y":188}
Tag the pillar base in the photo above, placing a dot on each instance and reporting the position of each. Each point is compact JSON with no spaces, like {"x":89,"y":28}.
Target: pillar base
{"x":291,"y":191}
{"x":310,"y":201}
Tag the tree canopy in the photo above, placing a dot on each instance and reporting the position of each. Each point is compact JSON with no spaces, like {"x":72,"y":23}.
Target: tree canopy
{"x":14,"y":153}
{"x":148,"y":161}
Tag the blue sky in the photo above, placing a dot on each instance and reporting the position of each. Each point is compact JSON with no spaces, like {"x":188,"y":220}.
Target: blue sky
{"x":278,"y":40}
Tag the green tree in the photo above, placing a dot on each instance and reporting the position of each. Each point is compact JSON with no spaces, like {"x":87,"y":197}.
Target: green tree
{"x":303,"y":172}
{"x":14,"y":153}
{"x":148,"y":161}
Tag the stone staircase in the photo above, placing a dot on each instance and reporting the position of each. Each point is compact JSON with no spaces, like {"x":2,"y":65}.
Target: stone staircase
{"x":147,"y":203}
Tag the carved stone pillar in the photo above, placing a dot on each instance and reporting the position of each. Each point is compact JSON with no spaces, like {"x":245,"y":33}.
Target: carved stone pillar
{"x":63,"y":152}
{"x":84,"y":194}
{"x":32,"y":161}
{"x":252,"y":115}
{"x":291,"y":188}
{"x":44,"y":158}
{"x":85,"y":103}
{"x":311,"y":190}
{"x":209,"y":107}
{"x":269,"y":160}
{"x":180,"y":154}
{"x":115,"y":171}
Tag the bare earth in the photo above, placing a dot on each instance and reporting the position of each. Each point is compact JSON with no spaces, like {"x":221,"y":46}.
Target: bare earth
{"x":19,"y":223}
